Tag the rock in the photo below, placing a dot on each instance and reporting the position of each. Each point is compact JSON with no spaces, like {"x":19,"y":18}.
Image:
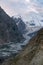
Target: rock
{"x":8,"y":29}
{"x":32,"y":53}
{"x":21,"y":25}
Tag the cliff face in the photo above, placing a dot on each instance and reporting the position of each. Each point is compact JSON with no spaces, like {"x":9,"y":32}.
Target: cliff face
{"x":8,"y":29}
{"x":20,"y":24}
{"x":32,"y":54}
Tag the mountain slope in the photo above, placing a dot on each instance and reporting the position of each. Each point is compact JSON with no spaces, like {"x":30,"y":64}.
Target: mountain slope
{"x":20,"y":24}
{"x":8,"y":29}
{"x":31,"y":54}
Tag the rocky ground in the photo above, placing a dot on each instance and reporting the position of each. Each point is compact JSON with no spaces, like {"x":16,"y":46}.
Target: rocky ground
{"x":32,"y":54}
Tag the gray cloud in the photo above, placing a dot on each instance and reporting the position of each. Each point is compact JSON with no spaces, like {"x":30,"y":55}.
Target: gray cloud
{"x":22,"y":7}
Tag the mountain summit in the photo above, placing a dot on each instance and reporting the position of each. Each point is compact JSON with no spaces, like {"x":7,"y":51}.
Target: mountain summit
{"x":8,"y":29}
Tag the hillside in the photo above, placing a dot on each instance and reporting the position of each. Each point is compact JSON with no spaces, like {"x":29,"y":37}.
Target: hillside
{"x":32,"y":53}
{"x":20,"y":24}
{"x":8,"y":29}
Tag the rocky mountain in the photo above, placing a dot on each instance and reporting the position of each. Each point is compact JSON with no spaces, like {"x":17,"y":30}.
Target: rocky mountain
{"x":8,"y":29}
{"x":20,"y":24}
{"x":35,"y":19}
{"x":32,"y":53}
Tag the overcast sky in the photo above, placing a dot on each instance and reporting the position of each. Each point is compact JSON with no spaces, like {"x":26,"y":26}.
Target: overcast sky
{"x":22,"y":7}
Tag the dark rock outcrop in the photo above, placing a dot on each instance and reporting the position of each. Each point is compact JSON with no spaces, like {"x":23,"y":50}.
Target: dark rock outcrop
{"x":8,"y":29}
{"x":20,"y":24}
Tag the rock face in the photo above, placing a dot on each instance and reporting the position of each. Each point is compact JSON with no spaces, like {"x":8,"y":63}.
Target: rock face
{"x":32,"y":54}
{"x":20,"y":24}
{"x":8,"y":29}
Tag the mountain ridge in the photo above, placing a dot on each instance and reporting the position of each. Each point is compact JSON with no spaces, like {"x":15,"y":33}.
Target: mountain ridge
{"x":8,"y":29}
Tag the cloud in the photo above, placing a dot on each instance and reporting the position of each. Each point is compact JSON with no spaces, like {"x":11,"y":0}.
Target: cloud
{"x":13,"y":1}
{"x":38,"y":4}
{"x":21,"y":7}
{"x":7,"y":9}
{"x":27,"y":1}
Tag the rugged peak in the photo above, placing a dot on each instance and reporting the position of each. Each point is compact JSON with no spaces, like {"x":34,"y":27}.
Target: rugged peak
{"x":3,"y":14}
{"x":1,"y":10}
{"x":8,"y":28}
